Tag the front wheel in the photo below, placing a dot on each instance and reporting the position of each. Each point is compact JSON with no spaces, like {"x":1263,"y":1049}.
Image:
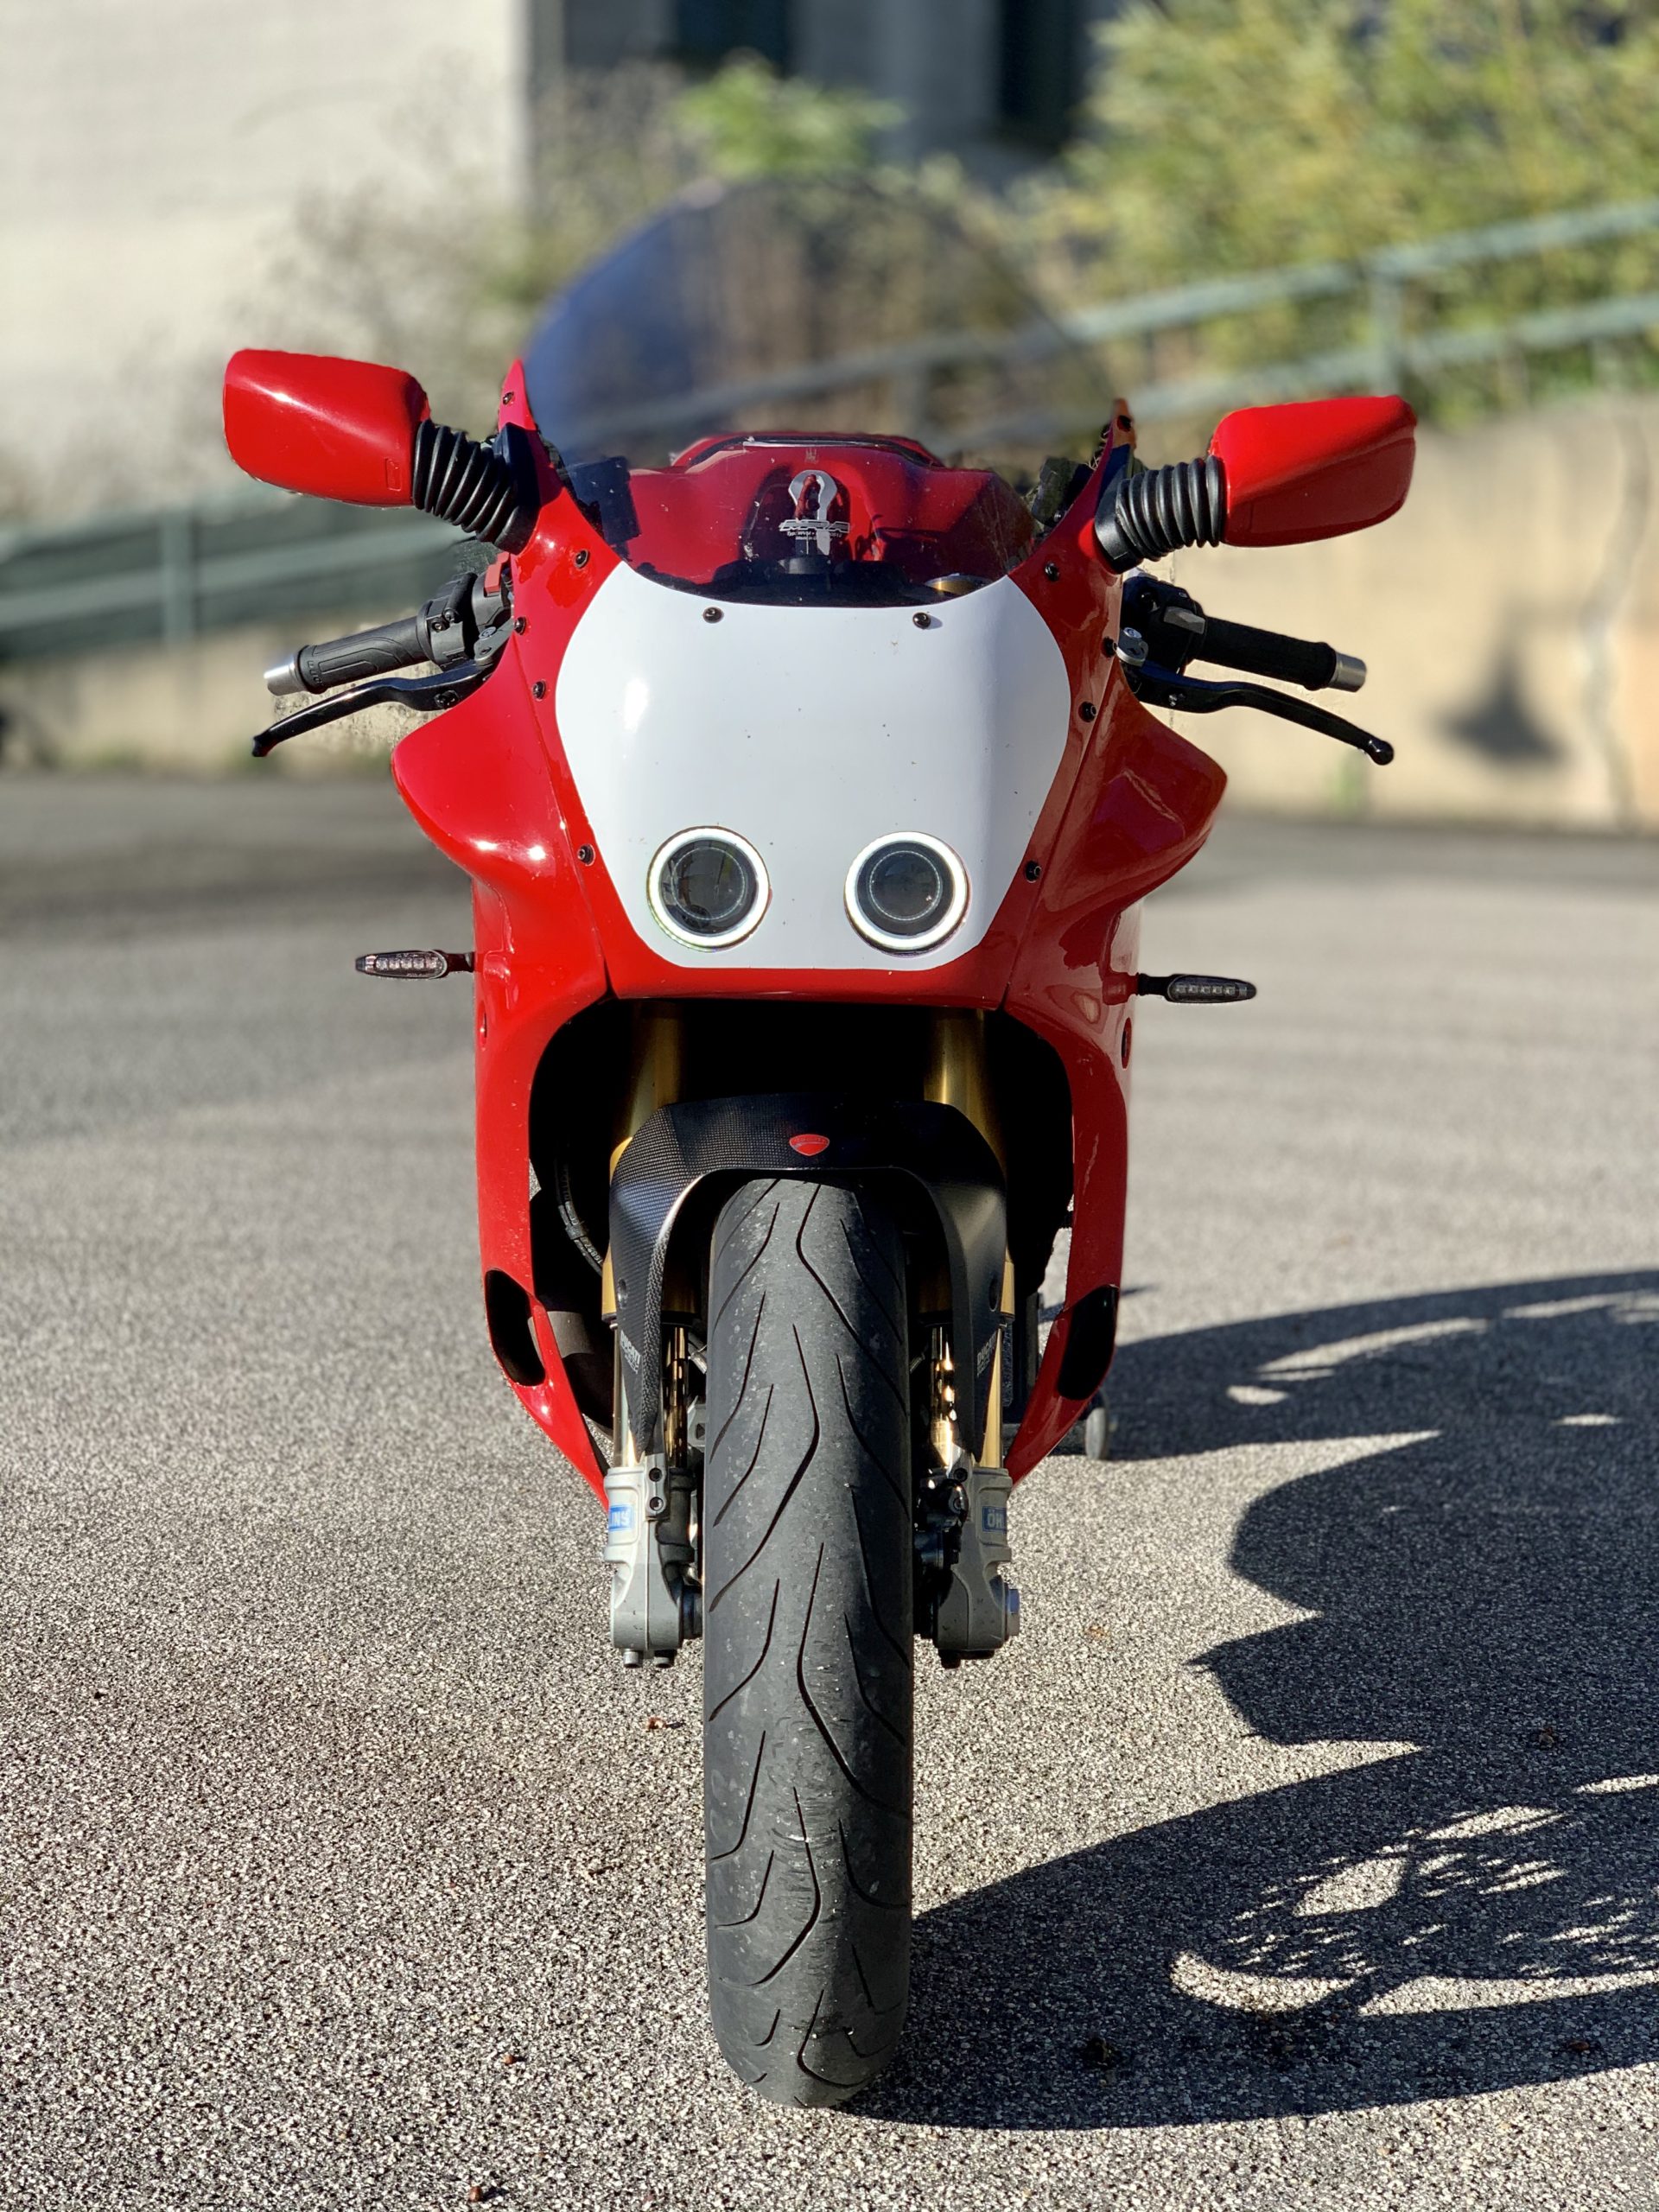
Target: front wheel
{"x":807,"y":1621}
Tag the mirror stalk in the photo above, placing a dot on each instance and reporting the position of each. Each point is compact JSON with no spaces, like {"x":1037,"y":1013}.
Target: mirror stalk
{"x":1273,"y":476}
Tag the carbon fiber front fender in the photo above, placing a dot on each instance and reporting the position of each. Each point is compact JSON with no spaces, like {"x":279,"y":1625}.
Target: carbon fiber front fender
{"x":937,"y":1148}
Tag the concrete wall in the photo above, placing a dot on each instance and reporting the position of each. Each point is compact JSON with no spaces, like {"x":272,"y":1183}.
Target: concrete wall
{"x":152,"y":153}
{"x":1511,"y":619}
{"x":1509,"y":615}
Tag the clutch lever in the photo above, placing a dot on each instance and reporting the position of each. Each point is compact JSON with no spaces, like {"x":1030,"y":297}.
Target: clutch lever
{"x":427,"y":695}
{"x":1193,"y":695}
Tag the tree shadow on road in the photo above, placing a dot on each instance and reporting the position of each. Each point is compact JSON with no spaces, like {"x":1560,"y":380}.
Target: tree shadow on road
{"x":1480,"y":1912}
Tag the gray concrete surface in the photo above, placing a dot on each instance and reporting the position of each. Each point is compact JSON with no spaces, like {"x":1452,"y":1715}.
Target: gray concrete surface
{"x":1302,"y":1855}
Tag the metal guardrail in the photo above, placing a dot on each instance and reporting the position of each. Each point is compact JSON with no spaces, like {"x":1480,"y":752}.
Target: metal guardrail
{"x":166,"y":575}
{"x":169,"y":574}
{"x":1391,"y":355}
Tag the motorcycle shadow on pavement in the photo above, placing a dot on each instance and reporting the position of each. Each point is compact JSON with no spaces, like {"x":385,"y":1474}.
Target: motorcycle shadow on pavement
{"x":1480,"y":1912}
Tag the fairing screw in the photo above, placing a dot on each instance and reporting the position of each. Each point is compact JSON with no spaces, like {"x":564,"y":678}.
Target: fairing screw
{"x":922,"y":621}
{"x":538,"y":689}
{"x":1033,"y":871}
{"x":520,"y":624}
{"x":1087,"y":710}
{"x":585,"y":855}
{"x":582,"y":557}
{"x":1052,"y":570}
{"x":712,"y":614}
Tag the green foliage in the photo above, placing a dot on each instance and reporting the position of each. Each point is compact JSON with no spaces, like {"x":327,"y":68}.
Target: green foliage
{"x":749,"y":123}
{"x":1234,"y":135}
{"x":1243,"y":134}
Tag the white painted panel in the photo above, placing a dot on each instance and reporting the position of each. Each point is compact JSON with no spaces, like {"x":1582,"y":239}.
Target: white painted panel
{"x":811,"y":732}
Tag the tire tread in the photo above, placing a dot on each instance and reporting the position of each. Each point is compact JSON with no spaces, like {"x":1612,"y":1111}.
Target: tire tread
{"x":808,"y":1689}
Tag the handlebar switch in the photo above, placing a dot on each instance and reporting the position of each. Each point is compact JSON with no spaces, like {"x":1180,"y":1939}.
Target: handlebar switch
{"x":453,"y":622}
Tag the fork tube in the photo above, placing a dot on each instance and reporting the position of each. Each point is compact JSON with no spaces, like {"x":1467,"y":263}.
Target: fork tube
{"x":957,"y":1076}
{"x":656,"y":1073}
{"x":957,"y":1073}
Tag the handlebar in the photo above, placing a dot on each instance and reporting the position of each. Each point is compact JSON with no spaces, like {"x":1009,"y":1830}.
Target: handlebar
{"x":1176,"y":630}
{"x":349,"y":660}
{"x":1269,"y":652}
{"x":464,"y":620}
{"x":1164,"y":627}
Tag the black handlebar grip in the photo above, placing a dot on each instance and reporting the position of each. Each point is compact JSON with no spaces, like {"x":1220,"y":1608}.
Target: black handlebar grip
{"x":1267,"y":652}
{"x":371,"y":652}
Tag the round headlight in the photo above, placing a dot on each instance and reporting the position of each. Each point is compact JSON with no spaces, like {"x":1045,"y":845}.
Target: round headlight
{"x":907,"y":894}
{"x":707,"y":887}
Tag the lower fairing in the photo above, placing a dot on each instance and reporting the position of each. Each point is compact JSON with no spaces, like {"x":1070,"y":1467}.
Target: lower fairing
{"x":1059,"y":958}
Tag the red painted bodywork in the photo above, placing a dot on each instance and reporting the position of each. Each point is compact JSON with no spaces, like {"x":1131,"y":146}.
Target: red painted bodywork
{"x":337,"y":430}
{"x":1315,"y":469}
{"x":490,"y":785}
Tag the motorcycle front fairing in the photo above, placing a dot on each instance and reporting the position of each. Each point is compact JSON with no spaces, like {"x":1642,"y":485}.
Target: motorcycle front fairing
{"x":808,"y":806}
{"x":990,"y":715}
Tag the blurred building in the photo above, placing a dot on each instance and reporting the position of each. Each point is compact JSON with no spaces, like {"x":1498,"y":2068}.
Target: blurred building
{"x":996,"y":81}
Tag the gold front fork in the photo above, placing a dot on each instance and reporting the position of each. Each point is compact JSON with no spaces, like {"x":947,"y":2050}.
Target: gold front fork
{"x":656,"y":1073}
{"x":957,"y":1075}
{"x":656,"y":1076}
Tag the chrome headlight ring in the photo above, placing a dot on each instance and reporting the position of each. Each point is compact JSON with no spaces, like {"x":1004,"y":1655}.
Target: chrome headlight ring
{"x":907,"y":892}
{"x":707,"y":887}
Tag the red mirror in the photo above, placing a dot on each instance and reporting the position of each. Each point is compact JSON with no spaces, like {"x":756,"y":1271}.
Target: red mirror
{"x":1316,"y":469}
{"x":337,"y":429}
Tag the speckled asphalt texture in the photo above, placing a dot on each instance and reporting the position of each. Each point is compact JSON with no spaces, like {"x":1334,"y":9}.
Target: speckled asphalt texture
{"x":1303,"y":1854}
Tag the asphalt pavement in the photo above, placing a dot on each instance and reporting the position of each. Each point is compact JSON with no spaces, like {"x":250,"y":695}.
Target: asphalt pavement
{"x":1302,"y":1854}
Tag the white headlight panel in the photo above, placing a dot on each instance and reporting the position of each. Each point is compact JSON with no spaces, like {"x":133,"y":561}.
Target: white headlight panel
{"x":810,"y":735}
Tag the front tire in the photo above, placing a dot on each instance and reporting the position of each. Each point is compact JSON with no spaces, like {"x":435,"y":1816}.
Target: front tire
{"x":807,"y":1624}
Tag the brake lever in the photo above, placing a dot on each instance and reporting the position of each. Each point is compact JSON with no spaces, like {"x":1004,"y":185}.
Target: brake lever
{"x":1195,"y":694}
{"x":426,"y":694}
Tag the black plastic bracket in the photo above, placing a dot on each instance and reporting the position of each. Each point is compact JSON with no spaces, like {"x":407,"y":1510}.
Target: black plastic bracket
{"x":935,"y":1146}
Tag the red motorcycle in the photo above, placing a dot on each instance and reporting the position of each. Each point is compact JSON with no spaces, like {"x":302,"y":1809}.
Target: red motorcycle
{"x":809,"y":792}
